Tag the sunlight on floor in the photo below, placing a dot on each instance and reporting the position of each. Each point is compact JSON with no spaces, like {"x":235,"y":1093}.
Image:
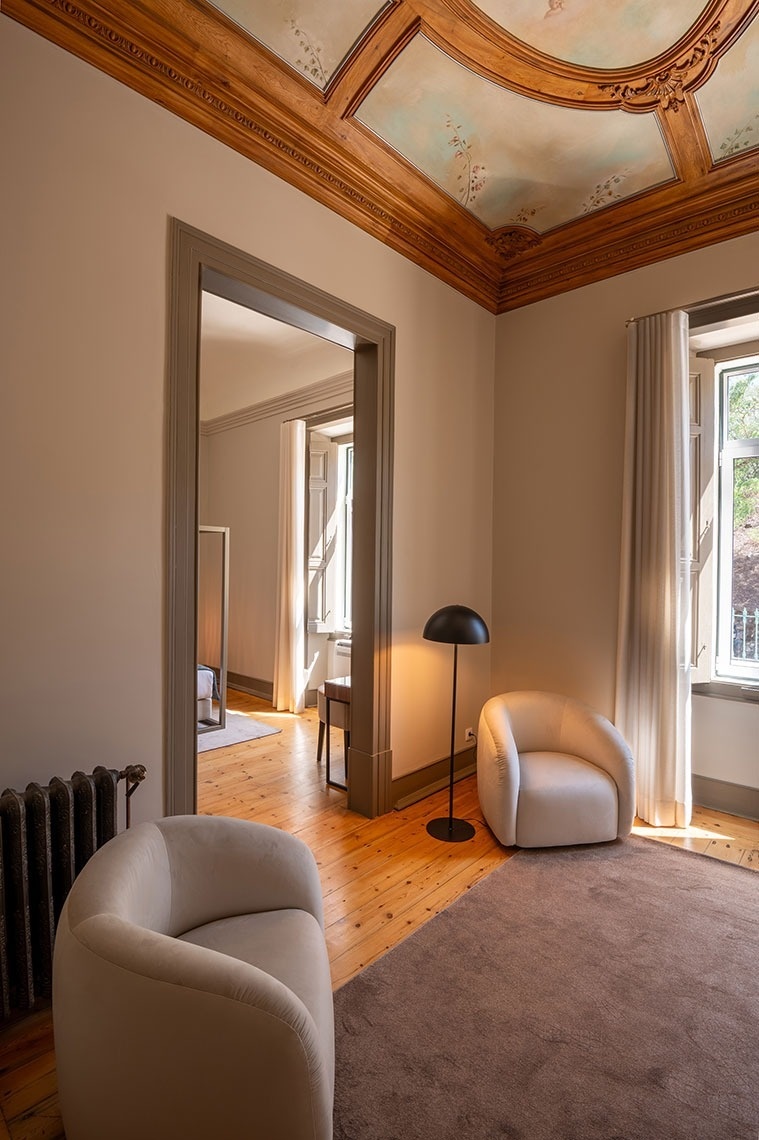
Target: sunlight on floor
{"x":692,"y":832}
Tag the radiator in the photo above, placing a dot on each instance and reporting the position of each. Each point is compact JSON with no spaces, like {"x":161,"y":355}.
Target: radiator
{"x":47,"y":834}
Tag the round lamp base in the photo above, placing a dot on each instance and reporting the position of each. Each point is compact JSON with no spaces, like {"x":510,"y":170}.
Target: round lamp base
{"x":450,"y":830}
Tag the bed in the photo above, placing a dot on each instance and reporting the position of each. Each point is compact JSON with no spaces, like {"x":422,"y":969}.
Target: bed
{"x":208,"y":691}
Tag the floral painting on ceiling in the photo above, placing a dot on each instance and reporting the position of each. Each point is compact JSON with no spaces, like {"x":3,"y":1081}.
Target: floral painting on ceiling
{"x":592,"y":34}
{"x":729,"y":101}
{"x":313,"y":36}
{"x":509,"y":159}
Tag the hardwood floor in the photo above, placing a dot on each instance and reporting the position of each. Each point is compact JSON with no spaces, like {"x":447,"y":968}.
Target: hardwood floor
{"x":382,"y":878}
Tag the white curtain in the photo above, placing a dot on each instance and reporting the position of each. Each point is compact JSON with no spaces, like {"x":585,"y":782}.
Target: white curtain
{"x":653,"y":654}
{"x":290,"y":646}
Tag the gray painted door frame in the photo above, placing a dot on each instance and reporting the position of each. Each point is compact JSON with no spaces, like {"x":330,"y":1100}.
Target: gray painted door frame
{"x":200,"y":262}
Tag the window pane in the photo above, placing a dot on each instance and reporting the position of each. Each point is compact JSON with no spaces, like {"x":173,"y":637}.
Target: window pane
{"x":743,"y":405}
{"x":745,"y":576}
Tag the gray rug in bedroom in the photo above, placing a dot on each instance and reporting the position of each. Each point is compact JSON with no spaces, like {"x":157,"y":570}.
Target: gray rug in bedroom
{"x":238,"y":728}
{"x":594,"y":993}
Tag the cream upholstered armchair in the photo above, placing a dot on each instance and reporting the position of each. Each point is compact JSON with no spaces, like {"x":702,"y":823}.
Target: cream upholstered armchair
{"x":191,"y":987}
{"x":552,"y":772}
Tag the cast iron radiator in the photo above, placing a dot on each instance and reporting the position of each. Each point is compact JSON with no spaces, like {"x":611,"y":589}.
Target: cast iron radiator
{"x":47,"y":834}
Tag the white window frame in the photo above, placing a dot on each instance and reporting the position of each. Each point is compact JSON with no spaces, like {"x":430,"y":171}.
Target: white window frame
{"x":329,"y":534}
{"x":712,"y":456}
{"x":344,"y":561}
{"x":727,"y":667}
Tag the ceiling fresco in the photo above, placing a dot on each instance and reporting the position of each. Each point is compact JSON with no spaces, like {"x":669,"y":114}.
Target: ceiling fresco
{"x":508,"y":159}
{"x":596,"y":35}
{"x":729,"y":101}
{"x":313,"y":37}
{"x":513,"y":148}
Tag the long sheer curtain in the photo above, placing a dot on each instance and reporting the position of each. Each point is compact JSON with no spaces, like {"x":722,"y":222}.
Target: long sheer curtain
{"x":290,"y":646}
{"x":653,"y":656}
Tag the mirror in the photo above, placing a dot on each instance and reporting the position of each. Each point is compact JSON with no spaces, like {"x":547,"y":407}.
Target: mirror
{"x":213,"y":610}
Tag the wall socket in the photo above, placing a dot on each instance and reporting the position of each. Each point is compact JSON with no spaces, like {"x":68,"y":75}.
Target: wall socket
{"x":469,"y":735}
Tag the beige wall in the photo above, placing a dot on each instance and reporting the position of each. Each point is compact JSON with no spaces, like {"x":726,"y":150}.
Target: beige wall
{"x":96,"y":171}
{"x":559,"y":430}
{"x":240,"y":474}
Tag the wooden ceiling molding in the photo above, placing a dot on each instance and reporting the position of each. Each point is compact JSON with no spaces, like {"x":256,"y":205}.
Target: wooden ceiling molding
{"x":431,"y":204}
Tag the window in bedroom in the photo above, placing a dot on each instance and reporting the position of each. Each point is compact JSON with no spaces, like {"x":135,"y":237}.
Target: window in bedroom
{"x":330,"y":528}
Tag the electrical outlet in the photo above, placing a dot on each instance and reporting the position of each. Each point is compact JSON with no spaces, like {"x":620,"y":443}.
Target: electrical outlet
{"x":469,"y":735}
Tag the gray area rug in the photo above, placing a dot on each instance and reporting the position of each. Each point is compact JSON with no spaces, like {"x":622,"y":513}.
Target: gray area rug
{"x":589,"y":993}
{"x":237,"y":730}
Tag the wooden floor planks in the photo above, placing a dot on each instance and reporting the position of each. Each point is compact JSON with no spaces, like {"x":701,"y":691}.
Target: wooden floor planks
{"x":382,"y":879}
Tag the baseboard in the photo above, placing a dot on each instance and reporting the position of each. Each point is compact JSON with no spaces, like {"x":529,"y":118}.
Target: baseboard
{"x":734,"y":799}
{"x":254,"y":686}
{"x":417,"y":785}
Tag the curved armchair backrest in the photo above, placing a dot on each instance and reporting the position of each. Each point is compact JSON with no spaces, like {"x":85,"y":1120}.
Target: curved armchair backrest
{"x":537,"y":719}
{"x":174,"y":874}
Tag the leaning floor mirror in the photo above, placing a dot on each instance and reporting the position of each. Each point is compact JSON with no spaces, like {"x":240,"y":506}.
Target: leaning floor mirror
{"x":213,"y":610}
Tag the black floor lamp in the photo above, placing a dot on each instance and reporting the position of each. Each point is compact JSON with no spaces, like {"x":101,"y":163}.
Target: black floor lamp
{"x":454,"y":625}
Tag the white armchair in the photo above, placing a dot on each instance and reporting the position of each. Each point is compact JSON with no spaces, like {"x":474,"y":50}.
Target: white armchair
{"x":552,"y":772}
{"x":191,"y":987}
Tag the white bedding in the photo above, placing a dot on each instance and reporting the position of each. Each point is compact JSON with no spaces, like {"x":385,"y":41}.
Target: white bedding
{"x":205,"y":683}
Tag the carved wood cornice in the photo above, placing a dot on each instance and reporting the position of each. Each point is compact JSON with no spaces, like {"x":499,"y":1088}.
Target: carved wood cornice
{"x":675,"y":222}
{"x":295,"y":139}
{"x":193,"y":61}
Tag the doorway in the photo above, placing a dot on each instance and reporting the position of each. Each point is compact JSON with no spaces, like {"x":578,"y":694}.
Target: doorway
{"x":200,"y":263}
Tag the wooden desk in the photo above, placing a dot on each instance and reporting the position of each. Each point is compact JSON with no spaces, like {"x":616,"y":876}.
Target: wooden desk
{"x":336,"y":689}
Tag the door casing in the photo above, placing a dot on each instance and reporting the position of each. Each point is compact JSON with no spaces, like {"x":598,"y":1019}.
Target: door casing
{"x":198,"y":263}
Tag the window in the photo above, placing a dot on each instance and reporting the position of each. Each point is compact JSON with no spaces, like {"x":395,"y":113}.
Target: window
{"x":344,"y":585}
{"x":738,"y":520}
{"x":330,"y":529}
{"x":725,"y":480}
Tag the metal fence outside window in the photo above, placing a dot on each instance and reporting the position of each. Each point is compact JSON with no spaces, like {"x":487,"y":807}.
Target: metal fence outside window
{"x":745,"y":640}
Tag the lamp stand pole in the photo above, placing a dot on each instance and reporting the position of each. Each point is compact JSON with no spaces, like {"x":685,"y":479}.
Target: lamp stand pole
{"x":451,"y":830}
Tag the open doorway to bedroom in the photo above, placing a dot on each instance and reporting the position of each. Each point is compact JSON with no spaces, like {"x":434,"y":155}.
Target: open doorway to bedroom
{"x":257,"y":377}
{"x":201,"y":265}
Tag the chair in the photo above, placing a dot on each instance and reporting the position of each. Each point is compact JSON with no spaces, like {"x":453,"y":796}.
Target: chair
{"x":552,"y":772}
{"x":191,"y":987}
{"x":339,"y":715}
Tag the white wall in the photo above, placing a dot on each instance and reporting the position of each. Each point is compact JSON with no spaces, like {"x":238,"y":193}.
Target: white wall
{"x":726,"y":740}
{"x":93,"y":172}
{"x":559,"y":428}
{"x":237,"y":373}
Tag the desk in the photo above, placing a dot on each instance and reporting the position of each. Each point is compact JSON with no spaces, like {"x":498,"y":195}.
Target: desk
{"x":337,"y":689}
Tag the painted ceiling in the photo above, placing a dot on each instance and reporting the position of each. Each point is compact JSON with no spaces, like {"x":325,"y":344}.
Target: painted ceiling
{"x":516,"y":148}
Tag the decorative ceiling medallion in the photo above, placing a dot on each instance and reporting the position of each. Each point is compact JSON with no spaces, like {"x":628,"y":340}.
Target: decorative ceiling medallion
{"x":313,"y":36}
{"x":509,"y":243}
{"x":667,"y":89}
{"x":603,"y":36}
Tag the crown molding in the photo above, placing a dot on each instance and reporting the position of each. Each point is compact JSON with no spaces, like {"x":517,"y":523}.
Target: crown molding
{"x":675,"y":223}
{"x":190,"y":59}
{"x":336,"y":388}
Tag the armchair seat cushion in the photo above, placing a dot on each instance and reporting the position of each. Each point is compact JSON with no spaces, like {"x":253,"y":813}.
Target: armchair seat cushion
{"x":288,"y":945}
{"x":563,"y":800}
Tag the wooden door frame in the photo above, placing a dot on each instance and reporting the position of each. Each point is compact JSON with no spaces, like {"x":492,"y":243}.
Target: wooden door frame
{"x":198,"y":262}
